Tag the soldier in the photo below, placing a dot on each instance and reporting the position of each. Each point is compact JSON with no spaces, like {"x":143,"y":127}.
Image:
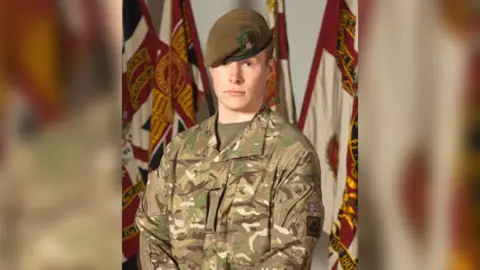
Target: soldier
{"x":240,"y":190}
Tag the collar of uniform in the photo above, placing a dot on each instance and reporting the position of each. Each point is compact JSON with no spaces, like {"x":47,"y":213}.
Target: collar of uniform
{"x":249,"y":144}
{"x":206,"y":143}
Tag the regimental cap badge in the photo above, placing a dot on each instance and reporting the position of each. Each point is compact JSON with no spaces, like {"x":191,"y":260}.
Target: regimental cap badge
{"x":246,"y":40}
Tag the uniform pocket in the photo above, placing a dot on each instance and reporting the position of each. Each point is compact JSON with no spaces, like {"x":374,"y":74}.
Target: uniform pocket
{"x":188,"y":209}
{"x":249,"y":216}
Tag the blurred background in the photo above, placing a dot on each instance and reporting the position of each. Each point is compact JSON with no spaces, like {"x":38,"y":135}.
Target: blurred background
{"x":63,"y":67}
{"x":60,"y":131}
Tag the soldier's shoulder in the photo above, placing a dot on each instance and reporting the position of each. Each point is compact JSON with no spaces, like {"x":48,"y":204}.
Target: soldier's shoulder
{"x":189,"y":132}
{"x":288,"y":135}
{"x":190,"y":135}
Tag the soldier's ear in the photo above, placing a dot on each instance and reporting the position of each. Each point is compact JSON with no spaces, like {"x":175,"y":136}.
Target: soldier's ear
{"x":271,"y":64}
{"x":210,"y":69}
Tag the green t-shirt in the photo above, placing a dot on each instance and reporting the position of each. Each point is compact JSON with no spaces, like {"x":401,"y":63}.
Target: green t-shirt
{"x":227,"y":133}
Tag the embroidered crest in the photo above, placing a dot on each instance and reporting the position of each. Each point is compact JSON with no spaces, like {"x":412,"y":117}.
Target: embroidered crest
{"x":246,"y":40}
{"x":332,"y":155}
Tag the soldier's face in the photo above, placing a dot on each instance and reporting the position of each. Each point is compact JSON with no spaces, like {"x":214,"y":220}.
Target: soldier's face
{"x":241,"y":86}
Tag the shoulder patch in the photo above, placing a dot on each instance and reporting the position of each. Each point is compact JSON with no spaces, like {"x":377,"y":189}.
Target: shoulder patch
{"x":314,"y":226}
{"x":314,"y":207}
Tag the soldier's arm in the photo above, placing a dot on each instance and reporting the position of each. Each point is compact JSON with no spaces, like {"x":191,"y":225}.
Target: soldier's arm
{"x":298,"y":215}
{"x":152,"y":222}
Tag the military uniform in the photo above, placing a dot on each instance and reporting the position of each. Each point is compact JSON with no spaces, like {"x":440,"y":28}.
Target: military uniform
{"x":251,"y":202}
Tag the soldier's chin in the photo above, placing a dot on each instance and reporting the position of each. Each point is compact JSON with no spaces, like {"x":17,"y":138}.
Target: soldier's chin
{"x":237,"y":106}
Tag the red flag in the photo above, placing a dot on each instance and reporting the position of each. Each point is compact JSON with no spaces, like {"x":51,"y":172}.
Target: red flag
{"x":140,"y":56}
{"x":173,"y":90}
{"x":197,"y":66}
{"x":158,"y":93}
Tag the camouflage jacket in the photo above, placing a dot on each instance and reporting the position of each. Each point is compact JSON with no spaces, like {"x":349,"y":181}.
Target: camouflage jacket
{"x":257,"y":204}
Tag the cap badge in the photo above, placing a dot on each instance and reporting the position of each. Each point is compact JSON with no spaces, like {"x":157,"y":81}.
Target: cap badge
{"x":246,"y":40}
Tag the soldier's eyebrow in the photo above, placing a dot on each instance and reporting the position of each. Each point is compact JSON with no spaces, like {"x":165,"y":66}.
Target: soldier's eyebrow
{"x":255,"y":59}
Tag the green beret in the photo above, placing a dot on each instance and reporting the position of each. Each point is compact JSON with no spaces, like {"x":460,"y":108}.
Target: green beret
{"x":237,"y":35}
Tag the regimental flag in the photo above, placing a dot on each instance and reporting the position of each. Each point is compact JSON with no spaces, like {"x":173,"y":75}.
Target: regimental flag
{"x":279,"y":86}
{"x":329,"y":118}
{"x":173,"y":104}
{"x":202,"y":91}
{"x":33,"y":56}
{"x":204,"y":103}
{"x":140,"y":49}
{"x":159,"y":95}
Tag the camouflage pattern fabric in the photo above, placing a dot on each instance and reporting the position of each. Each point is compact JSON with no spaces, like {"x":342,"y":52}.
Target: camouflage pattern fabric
{"x":256,"y":204}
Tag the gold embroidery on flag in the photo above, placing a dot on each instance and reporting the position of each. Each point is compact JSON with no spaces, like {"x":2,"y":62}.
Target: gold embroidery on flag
{"x":179,"y":42}
{"x":353,"y":147}
{"x":271,"y":85}
{"x":129,"y":231}
{"x":132,"y":191}
{"x":142,"y":80}
{"x":162,"y":117}
{"x":346,"y":63}
{"x":271,"y":5}
{"x":347,"y":211}
{"x":139,"y":58}
{"x":348,"y":22}
{"x":350,"y":197}
{"x":272,"y":81}
{"x":183,"y":92}
{"x":345,"y":258}
{"x":171,"y":65}
{"x":345,"y":59}
{"x":185,"y":100}
{"x":188,"y":35}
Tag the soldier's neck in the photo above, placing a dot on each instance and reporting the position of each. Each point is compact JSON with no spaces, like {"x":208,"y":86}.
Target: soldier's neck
{"x":227,"y":116}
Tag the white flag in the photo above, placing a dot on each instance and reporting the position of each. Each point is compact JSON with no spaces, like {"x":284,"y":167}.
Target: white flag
{"x":329,"y":119}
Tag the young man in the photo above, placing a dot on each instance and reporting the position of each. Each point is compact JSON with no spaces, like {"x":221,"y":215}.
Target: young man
{"x":240,"y":190}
